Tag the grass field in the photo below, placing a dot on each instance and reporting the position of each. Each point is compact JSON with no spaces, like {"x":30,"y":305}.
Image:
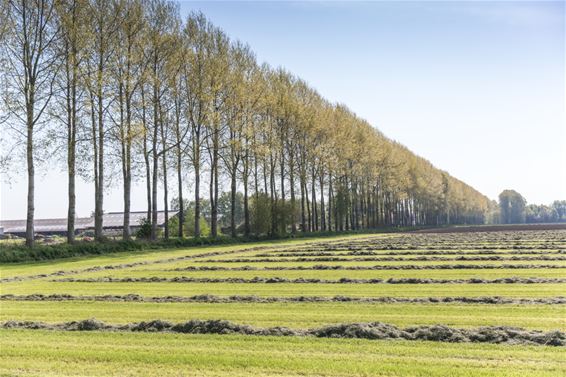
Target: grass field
{"x":111,"y":354}
{"x":297,"y":315}
{"x":452,"y":256}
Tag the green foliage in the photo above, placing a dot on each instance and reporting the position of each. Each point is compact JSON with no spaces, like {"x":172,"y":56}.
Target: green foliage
{"x":189,"y":217}
{"x":492,"y":215}
{"x":175,"y":204}
{"x":266,"y":213}
{"x":540,"y":213}
{"x":341,"y":204}
{"x":512,"y":207}
{"x":559,"y":207}
{"x":225,"y":209}
{"x":174,"y":226}
{"x":284,"y":215}
{"x":260,"y":210}
{"x":144,"y":231}
{"x":19,"y":253}
{"x":189,"y":227}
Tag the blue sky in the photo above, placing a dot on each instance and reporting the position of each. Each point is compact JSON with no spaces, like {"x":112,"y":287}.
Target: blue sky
{"x":475,"y":87}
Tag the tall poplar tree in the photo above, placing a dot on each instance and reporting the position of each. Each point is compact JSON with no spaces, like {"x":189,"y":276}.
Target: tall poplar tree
{"x":33,"y":63}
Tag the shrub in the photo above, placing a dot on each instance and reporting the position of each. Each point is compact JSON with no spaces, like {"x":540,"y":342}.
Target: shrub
{"x":260,"y":206}
{"x":189,"y":227}
{"x":144,"y":231}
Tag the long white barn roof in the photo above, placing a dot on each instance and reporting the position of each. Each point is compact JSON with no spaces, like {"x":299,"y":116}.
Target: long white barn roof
{"x":110,"y":220}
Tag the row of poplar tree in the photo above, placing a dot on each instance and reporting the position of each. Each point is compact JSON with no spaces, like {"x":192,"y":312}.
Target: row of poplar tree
{"x":129,"y":88}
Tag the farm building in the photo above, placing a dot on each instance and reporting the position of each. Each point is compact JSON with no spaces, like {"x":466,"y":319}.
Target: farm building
{"x":112,"y":223}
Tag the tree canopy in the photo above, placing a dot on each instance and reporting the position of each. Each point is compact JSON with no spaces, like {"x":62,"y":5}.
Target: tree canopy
{"x":141,"y":94}
{"x":512,"y":207}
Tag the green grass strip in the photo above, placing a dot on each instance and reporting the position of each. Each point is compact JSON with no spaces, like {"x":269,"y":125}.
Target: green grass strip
{"x":299,"y":315}
{"x":43,"y":353}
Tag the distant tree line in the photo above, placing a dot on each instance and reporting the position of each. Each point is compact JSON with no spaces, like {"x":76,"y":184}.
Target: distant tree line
{"x":127,"y":90}
{"x":513,"y":209}
{"x":540,"y":213}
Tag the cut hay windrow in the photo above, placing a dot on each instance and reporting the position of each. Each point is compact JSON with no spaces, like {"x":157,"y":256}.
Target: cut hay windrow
{"x":557,"y":248}
{"x":399,"y":253}
{"x":459,"y":246}
{"x":488,"y":300}
{"x":376,"y":267}
{"x":345,"y":280}
{"x":385,"y":259}
{"x":523,"y":240}
{"x":134,"y":264}
{"x":371,"y":330}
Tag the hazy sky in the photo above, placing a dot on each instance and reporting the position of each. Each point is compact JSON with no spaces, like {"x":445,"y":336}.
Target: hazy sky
{"x":477,"y":88}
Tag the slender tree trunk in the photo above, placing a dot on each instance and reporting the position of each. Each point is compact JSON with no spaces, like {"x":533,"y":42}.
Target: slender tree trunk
{"x":293,"y":199}
{"x":347,"y":202}
{"x":128,"y":167}
{"x":155,"y":156}
{"x":181,"y":214}
{"x":98,"y":207}
{"x":94,"y":147}
{"x":314,"y":207}
{"x":247,"y":227}
{"x":181,"y":230}
{"x":126,"y":232}
{"x":256,"y":177}
{"x":30,"y":234}
{"x":154,"y":193}
{"x":214,"y":211}
{"x":234,"y":169}
{"x":165,"y":184}
{"x":272,"y":195}
{"x":303,"y":214}
{"x":245,"y":179}
{"x":197,"y":195}
{"x":196,"y":165}
{"x":213,"y":186}
{"x":123,"y":137}
{"x":309,"y":213}
{"x":233,"y":203}
{"x":330,"y":199}
{"x":282,"y":168}
{"x":146,"y":156}
{"x":339,"y":207}
{"x":71,"y":212}
{"x":322,"y":209}
{"x":147,"y":179}
{"x":179,"y":154}
{"x":165,"y":200}
{"x":355,"y":206}
{"x":71,"y":71}
{"x":213,"y":230}
{"x":256,"y":189}
{"x":99,"y":204}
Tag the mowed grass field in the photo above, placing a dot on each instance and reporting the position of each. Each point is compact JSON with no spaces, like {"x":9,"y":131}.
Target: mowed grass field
{"x":258,"y":285}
